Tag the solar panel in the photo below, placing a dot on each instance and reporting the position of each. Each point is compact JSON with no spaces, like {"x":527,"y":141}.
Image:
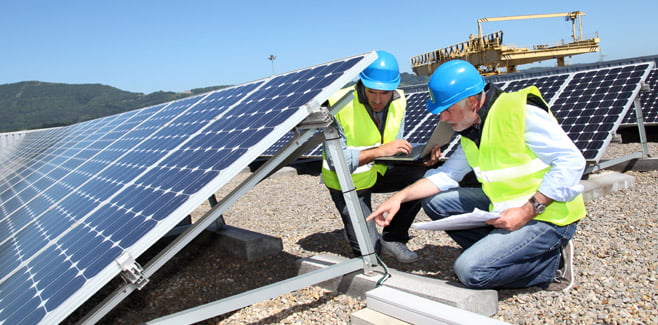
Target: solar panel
{"x":77,"y":200}
{"x":418,"y":123}
{"x":589,"y":103}
{"x":549,"y":86}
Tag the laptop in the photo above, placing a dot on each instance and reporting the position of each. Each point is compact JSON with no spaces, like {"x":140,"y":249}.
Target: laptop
{"x":441,"y":136}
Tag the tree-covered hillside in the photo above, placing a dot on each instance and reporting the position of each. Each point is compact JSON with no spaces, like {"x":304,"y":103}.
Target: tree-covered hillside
{"x":409,"y":79}
{"x":34,"y":104}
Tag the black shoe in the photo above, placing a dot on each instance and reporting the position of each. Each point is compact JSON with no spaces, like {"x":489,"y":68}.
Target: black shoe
{"x":564,"y":278}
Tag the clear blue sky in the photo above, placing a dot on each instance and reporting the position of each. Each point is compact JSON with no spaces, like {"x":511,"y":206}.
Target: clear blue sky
{"x":146,"y":46}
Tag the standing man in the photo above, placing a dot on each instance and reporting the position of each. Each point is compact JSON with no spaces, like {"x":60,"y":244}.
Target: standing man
{"x":530,"y":172}
{"x":372,"y":126}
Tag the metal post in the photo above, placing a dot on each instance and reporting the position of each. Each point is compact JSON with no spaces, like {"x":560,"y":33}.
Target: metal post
{"x":272,"y":57}
{"x":351,"y":199}
{"x":640,"y":121}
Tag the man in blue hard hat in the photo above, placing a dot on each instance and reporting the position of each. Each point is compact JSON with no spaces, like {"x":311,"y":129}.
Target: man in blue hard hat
{"x":372,"y":126}
{"x":529,"y":170}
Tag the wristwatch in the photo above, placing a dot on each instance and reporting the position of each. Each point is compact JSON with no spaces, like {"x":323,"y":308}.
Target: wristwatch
{"x":539,"y":208}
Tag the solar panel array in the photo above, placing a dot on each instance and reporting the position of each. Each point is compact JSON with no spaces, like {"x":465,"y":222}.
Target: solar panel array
{"x":589,"y":101}
{"x":76,"y":198}
{"x":589,"y":104}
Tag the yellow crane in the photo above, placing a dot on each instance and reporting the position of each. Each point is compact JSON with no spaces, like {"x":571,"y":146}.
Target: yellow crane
{"x":488,"y":53}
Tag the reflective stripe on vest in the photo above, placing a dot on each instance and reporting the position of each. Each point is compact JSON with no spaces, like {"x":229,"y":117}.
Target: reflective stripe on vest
{"x":361,"y":169}
{"x":362,"y":133}
{"x":513,"y":203}
{"x":509,"y":171}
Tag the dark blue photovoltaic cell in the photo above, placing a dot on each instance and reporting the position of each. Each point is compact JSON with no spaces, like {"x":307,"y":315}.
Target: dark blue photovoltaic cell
{"x":419,"y":123}
{"x":549,"y":86}
{"x":74,"y":199}
{"x":21,"y":304}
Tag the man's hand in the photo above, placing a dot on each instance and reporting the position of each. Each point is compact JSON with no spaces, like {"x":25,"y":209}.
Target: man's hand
{"x":387,"y":149}
{"x":385,"y":212}
{"x":394,"y":147}
{"x":434,"y":157}
{"x":513,"y":218}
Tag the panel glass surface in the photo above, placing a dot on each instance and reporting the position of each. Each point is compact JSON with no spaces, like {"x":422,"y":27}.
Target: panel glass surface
{"x":76,"y":198}
{"x":588,"y":103}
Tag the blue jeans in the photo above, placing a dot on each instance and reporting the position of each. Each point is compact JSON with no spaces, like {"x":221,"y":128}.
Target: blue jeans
{"x":497,"y":258}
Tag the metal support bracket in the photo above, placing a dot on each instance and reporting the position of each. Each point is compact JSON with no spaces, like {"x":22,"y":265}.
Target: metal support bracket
{"x":640,"y":120}
{"x":351,"y":200}
{"x":131,"y":272}
{"x":345,"y":179}
{"x":318,"y":117}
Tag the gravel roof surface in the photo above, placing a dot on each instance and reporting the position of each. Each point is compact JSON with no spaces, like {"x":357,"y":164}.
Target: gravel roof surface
{"x":615,"y":261}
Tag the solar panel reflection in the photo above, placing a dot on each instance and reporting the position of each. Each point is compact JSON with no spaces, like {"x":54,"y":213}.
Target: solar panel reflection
{"x":589,"y":101}
{"x":588,"y":104}
{"x":75,"y":198}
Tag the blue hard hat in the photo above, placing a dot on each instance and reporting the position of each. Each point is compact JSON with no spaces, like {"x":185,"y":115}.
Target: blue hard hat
{"x":452,"y":82}
{"x":383,"y":74}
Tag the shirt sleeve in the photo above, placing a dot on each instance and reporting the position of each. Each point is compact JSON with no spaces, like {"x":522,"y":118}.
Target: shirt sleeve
{"x":448,"y":175}
{"x":552,"y":145}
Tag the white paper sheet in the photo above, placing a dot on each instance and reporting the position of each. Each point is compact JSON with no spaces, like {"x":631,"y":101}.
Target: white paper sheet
{"x":469,"y":220}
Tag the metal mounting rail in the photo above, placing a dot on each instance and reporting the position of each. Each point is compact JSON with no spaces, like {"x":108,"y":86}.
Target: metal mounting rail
{"x":241,"y":300}
{"x":247,"y":298}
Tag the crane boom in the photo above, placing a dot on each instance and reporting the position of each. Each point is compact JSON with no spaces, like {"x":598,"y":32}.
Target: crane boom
{"x":573,"y":16}
{"x":490,"y":55}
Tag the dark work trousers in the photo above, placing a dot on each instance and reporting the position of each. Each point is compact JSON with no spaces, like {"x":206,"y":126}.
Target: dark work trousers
{"x":396,"y":178}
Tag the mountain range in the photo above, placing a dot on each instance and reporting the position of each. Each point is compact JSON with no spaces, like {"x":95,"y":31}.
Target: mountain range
{"x":34,"y":104}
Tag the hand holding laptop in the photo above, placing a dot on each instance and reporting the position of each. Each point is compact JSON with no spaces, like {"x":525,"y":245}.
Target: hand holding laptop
{"x":395,"y":147}
{"x":433,"y":157}
{"x":440,"y":136}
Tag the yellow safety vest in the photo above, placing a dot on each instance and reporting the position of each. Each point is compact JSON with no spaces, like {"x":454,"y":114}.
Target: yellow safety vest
{"x":509,"y":171}
{"x":361,"y":133}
